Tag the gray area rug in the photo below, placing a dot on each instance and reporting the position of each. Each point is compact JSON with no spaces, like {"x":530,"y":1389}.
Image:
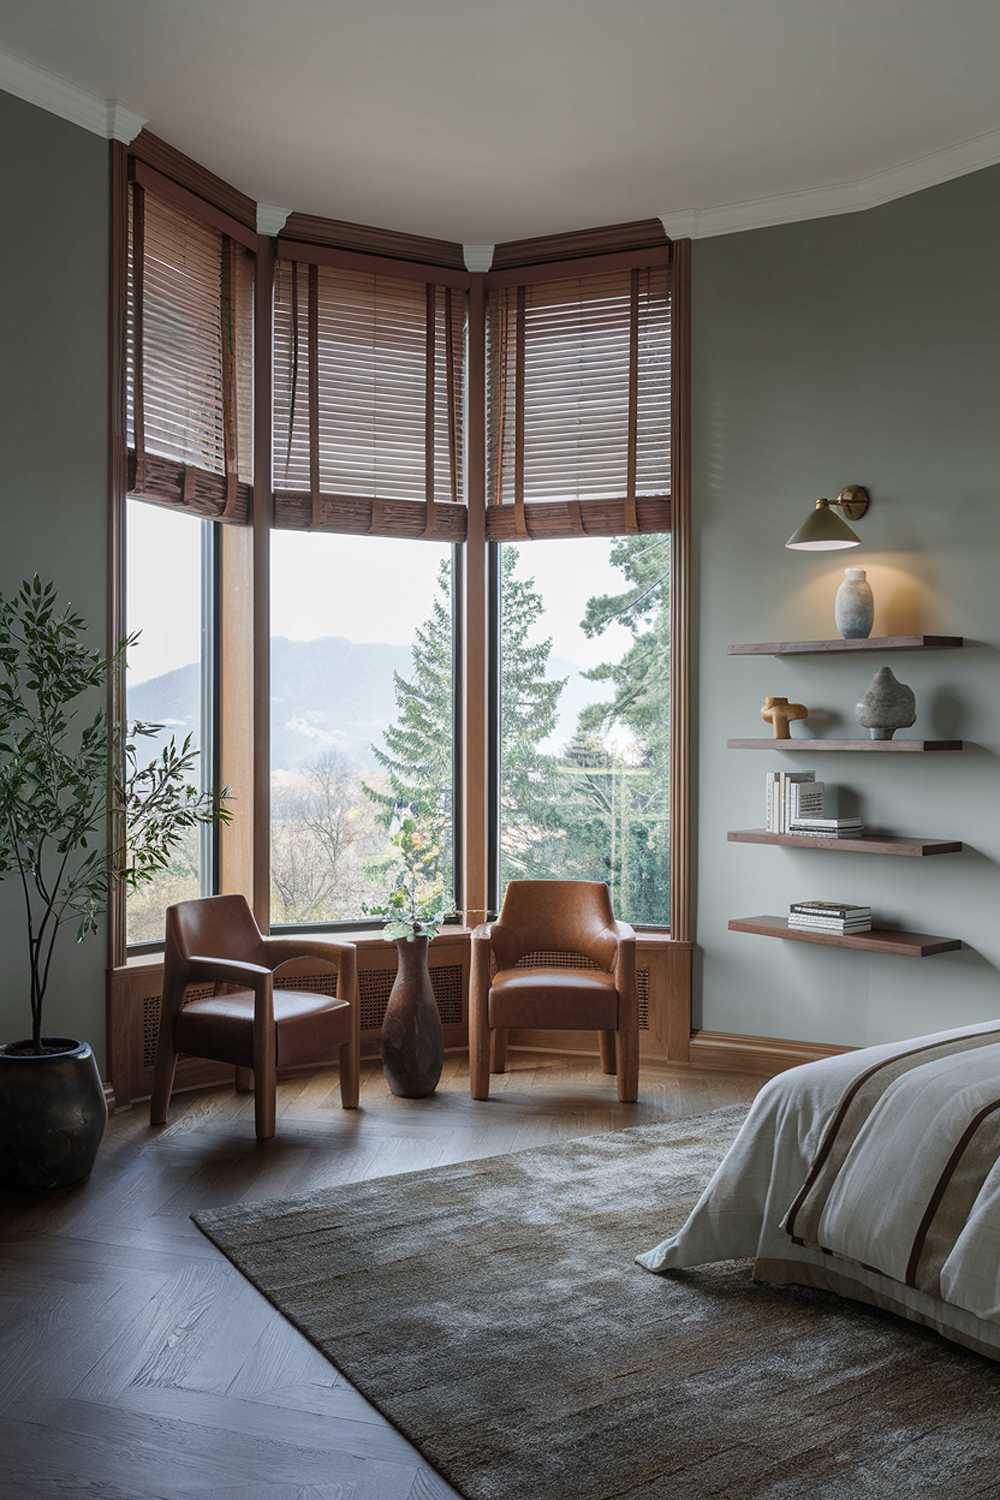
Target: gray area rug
{"x":492,"y":1311}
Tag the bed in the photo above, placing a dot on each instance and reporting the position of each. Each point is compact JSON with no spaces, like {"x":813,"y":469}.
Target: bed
{"x":876,"y":1175}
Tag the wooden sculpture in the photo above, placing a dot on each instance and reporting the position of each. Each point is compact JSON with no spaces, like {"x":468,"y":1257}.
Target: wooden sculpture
{"x":779,"y":713}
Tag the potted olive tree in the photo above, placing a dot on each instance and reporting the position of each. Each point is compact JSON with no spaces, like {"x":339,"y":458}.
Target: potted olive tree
{"x":57,"y":798}
{"x":414,"y":909}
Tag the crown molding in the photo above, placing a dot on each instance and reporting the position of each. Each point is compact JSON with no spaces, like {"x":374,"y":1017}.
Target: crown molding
{"x":113,"y":120}
{"x":841,"y":198}
{"x":478,"y":257}
{"x":104,"y":117}
{"x":123,"y":124}
{"x":271,"y":219}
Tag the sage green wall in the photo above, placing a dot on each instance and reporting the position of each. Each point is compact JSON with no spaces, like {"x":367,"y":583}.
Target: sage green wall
{"x":54,"y":187}
{"x":862,"y":349}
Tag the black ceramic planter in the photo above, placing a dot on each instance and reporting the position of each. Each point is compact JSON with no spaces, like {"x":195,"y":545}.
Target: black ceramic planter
{"x":52,"y":1114}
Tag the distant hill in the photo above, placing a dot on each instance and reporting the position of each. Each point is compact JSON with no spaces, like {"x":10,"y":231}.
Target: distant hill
{"x":326,"y":694}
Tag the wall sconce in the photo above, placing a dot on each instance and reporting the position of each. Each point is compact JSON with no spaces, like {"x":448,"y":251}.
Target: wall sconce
{"x":823,"y":531}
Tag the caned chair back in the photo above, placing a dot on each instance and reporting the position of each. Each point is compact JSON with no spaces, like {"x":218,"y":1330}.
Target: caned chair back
{"x":571,"y":916}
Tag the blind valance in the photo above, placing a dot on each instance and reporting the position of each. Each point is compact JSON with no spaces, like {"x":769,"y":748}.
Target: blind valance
{"x":190,"y":362}
{"x":368,"y":401}
{"x":579,"y":402}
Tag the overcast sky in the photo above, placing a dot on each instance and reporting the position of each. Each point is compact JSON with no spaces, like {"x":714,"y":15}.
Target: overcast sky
{"x":371,"y":589}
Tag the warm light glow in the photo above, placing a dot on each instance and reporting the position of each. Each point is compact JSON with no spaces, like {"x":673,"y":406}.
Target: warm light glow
{"x":822,"y":546}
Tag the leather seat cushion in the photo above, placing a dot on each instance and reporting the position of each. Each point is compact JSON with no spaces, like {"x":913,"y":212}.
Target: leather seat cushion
{"x":563,"y":999}
{"x":310,"y":1027}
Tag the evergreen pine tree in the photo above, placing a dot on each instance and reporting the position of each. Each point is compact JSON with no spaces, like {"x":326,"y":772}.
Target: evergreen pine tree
{"x":529,"y":703}
{"x":417,"y":751}
{"x":417,"y":756}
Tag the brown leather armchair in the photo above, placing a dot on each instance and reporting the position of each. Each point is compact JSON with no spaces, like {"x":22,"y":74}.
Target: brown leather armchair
{"x":555,"y":958}
{"x":256,"y":1027}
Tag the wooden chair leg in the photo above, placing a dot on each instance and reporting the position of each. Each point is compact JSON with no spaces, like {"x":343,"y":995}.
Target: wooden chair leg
{"x":479,"y":1062}
{"x":479,"y":1021}
{"x":163,"y":1077}
{"x":244,"y":1080}
{"x":606,"y":1040}
{"x":628,"y":1058}
{"x":265,"y":1102}
{"x":499,"y":1052}
{"x":350,"y":1051}
{"x":350,"y":1071}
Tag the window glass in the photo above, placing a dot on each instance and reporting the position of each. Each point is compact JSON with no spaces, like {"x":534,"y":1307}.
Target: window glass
{"x":168,"y":682}
{"x":362,"y":716}
{"x":583,"y":717}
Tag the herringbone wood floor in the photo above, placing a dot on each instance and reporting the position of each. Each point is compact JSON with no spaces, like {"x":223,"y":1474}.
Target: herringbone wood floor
{"x":135,"y":1362}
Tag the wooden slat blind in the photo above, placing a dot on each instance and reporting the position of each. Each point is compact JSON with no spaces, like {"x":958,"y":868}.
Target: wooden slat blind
{"x":190,"y":362}
{"x":579,"y":402}
{"x":368,"y":382}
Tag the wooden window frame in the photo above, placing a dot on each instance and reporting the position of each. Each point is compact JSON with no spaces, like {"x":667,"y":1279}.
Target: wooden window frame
{"x":457,"y":916}
{"x":210,"y":835}
{"x":244,"y":616}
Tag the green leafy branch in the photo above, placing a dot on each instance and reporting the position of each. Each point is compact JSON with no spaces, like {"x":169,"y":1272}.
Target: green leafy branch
{"x":415,"y":905}
{"x":57,"y":789}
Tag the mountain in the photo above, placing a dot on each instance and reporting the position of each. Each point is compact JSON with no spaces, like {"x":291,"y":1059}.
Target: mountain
{"x":327,"y":694}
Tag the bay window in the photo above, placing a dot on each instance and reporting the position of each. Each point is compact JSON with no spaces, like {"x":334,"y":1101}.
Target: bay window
{"x":401,"y":538}
{"x":391,"y":411}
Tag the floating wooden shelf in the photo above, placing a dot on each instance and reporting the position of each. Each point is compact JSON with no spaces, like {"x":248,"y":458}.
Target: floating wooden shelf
{"x":881,"y":747}
{"x":864,"y":843}
{"x":879,"y":940}
{"x":873,"y":643}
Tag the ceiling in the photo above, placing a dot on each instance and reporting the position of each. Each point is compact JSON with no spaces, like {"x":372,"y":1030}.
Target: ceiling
{"x":483,"y":120}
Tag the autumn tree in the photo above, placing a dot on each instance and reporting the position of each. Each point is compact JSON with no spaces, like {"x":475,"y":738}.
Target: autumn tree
{"x":321,"y":836}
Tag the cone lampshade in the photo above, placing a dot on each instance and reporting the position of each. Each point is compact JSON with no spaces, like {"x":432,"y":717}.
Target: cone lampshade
{"x":823,"y":531}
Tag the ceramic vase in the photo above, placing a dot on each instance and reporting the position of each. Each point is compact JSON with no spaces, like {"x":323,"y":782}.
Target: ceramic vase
{"x":854,"y":606}
{"x":887,"y":706}
{"x":412,"y":1041}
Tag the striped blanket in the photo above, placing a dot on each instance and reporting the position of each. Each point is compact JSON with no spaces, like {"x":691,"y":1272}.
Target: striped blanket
{"x":906,"y":1180}
{"x":875,"y":1174}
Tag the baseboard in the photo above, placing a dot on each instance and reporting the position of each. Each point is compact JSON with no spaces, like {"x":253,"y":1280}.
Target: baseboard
{"x":730,"y":1052}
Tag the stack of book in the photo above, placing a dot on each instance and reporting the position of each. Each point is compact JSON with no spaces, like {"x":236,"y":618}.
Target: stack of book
{"x":791,"y":795}
{"x":826,"y":828}
{"x":830,"y":916}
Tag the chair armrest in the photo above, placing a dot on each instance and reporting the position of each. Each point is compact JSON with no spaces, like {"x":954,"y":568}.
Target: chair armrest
{"x":481,"y":957}
{"x":226,"y":971}
{"x":624,"y":960}
{"x":282,"y":950}
{"x":255,"y":977}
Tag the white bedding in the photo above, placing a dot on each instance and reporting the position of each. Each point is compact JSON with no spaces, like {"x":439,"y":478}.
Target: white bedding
{"x":891,"y":1153}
